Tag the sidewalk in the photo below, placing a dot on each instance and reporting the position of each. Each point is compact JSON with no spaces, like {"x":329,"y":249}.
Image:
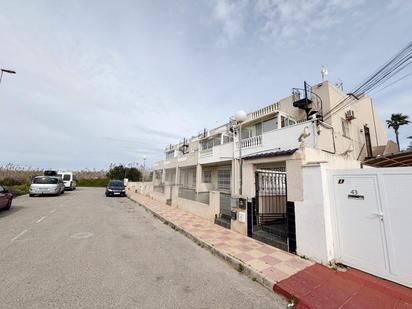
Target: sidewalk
{"x":261,"y":262}
{"x":312,"y":285}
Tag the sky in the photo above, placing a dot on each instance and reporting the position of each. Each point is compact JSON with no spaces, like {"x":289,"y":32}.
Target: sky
{"x":102,"y":82}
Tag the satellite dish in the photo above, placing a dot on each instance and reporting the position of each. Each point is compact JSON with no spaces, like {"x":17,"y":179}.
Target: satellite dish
{"x":324,"y":72}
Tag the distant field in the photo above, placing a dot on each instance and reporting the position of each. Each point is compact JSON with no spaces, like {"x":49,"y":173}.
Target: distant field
{"x":18,"y":179}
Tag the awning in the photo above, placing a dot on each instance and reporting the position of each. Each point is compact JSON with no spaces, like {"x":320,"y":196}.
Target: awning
{"x":270,"y":154}
{"x":403,"y":158}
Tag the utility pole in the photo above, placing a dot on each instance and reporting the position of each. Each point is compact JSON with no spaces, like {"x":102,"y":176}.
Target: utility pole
{"x":144,"y":167}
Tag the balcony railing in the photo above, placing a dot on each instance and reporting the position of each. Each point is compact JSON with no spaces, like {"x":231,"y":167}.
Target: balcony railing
{"x":206,"y":152}
{"x":251,"y":142}
{"x":263,"y":111}
{"x":191,"y":194}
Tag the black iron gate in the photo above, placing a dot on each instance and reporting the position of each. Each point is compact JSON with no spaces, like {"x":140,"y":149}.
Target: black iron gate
{"x":271,"y":211}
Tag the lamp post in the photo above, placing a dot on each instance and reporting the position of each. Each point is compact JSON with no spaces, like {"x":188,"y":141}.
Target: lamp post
{"x":240,"y":117}
{"x":5,"y":71}
{"x":144,"y":167}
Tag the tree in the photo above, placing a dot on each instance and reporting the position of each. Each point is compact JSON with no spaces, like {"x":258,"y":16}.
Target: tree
{"x":133,"y":174}
{"x":410,"y":144}
{"x":121,"y":172}
{"x":395,"y":122}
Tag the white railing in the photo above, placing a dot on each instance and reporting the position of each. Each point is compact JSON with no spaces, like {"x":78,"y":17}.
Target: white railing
{"x":251,"y":142}
{"x":206,"y":152}
{"x":264,"y":111}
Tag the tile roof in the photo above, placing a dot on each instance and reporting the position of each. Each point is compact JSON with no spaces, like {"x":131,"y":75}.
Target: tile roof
{"x":271,"y":154}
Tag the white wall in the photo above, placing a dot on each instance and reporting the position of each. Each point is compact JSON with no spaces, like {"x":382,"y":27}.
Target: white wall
{"x":312,"y":216}
{"x":386,"y":191}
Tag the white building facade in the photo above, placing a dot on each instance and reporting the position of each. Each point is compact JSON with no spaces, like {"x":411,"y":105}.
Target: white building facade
{"x":250,"y":176}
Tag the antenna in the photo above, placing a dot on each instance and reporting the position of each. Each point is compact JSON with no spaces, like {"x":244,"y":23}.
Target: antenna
{"x":324,"y":72}
{"x":339,"y":84}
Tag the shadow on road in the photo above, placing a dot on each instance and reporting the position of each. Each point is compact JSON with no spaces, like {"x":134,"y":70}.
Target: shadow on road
{"x":11,"y":211}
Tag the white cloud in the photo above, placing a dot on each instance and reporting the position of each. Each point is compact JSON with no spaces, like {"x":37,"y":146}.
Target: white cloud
{"x":231,"y":15}
{"x":286,"y":22}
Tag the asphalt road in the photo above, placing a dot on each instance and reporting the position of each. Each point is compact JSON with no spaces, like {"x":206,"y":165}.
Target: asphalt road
{"x":83,"y":250}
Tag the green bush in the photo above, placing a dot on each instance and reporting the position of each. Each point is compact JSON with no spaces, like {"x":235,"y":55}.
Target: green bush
{"x":20,"y":189}
{"x":121,"y":172}
{"x":95,"y":182}
{"x":8,"y":182}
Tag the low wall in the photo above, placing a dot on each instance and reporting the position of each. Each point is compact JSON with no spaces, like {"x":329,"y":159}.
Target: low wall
{"x":207,"y":211}
{"x":144,"y":188}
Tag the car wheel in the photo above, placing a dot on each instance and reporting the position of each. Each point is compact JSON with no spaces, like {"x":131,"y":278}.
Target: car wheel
{"x":31,"y":195}
{"x":8,"y":205}
{"x":62,"y":192}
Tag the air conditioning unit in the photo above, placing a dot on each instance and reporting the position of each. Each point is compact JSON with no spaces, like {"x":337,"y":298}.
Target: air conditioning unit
{"x":350,"y":115}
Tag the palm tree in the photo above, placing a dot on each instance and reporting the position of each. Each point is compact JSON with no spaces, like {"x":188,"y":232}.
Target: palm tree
{"x":395,"y":122}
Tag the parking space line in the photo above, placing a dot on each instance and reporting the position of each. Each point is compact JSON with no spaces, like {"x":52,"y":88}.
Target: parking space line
{"x":52,"y":211}
{"x":13,"y":239}
{"x":40,"y":220}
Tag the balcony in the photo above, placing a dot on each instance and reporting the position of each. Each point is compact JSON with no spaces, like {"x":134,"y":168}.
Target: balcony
{"x":284,"y":138}
{"x":217,"y":153}
{"x":251,"y":142}
{"x":206,"y":152}
{"x":263,"y":111}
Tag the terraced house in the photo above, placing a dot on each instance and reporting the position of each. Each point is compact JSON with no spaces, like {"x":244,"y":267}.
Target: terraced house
{"x":248,"y":175}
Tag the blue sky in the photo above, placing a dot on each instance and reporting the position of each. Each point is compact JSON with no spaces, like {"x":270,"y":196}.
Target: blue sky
{"x":111,"y":81}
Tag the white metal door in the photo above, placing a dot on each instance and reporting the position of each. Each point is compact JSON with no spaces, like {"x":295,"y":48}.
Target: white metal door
{"x":359,"y":223}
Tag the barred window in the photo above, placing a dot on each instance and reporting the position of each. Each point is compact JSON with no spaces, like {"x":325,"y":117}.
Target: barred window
{"x":223,"y":181}
{"x":207,"y":176}
{"x":193,"y":186}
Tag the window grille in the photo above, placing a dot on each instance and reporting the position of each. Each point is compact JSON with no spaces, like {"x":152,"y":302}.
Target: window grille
{"x":207,"y":177}
{"x":223,"y":182}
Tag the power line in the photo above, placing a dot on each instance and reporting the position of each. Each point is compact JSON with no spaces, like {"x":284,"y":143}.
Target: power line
{"x":392,"y":67}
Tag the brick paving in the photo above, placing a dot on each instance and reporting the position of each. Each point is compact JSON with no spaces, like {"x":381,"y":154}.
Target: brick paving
{"x":313,"y":285}
{"x":269,"y":262}
{"x":320,"y":287}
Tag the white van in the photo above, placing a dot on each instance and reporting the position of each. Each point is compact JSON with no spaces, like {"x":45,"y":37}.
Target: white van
{"x":69,"y":180}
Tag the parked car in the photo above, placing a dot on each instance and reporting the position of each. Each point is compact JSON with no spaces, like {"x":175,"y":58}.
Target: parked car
{"x":46,"y":185}
{"x":5,"y":198}
{"x":70,"y":181}
{"x":115,"y":188}
{"x":50,"y":173}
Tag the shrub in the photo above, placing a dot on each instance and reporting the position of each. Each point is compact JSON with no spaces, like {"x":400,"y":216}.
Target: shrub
{"x":120,"y":172}
{"x":8,"y":181}
{"x":96,"y":182}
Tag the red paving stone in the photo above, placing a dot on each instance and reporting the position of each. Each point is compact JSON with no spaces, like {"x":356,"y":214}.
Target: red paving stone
{"x":321,"y":287}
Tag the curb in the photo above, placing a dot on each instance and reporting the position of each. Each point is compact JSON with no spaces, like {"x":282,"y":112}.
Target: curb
{"x":240,"y":266}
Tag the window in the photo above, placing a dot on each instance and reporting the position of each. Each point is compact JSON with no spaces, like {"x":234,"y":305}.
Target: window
{"x":285,"y":121}
{"x":170,"y":154}
{"x":345,"y":128}
{"x":1,"y":189}
{"x":66,"y":177}
{"x":252,"y":131}
{"x":269,"y":125}
{"x":223,"y":182}
{"x":193,"y":185}
{"x":46,"y":180}
{"x":208,"y":144}
{"x":207,"y":176}
{"x":227,"y":139}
